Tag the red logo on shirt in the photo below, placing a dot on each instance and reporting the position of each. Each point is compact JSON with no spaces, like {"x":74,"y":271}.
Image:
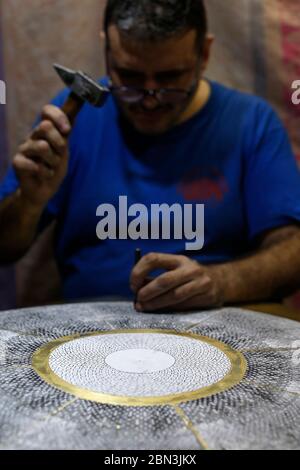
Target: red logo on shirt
{"x":205,"y":189}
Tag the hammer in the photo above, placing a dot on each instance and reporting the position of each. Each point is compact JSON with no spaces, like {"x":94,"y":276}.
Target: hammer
{"x":83,"y":90}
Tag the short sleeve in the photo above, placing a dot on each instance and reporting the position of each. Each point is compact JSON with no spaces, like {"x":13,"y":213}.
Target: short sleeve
{"x":9,"y":185}
{"x":272,"y":177}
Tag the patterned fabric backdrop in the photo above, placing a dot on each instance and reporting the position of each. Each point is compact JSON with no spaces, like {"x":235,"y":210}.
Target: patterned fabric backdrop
{"x":257,"y":49}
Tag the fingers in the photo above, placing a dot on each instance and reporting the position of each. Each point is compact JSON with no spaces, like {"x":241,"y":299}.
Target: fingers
{"x":150,"y":263}
{"x":48,"y":132}
{"x":23,"y":165}
{"x":40,"y":152}
{"x":47,"y":144}
{"x":41,"y":162}
{"x":57,"y":117}
{"x":205,"y":301}
{"x":166,"y":282}
{"x":186,"y":283}
{"x":195,"y":293}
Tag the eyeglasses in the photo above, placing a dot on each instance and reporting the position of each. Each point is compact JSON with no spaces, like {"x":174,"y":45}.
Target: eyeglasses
{"x":132,"y":95}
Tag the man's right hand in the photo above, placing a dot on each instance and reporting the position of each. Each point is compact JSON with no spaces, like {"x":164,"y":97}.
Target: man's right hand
{"x":41,"y":163}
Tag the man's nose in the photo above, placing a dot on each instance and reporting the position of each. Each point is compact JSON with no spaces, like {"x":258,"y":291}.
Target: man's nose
{"x":150,"y":102}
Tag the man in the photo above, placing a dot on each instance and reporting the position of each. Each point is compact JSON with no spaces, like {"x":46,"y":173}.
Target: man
{"x":166,"y":136}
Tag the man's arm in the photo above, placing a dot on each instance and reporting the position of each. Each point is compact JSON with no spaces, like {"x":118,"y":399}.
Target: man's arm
{"x":273,"y":270}
{"x":40,"y":166}
{"x":18,"y":225}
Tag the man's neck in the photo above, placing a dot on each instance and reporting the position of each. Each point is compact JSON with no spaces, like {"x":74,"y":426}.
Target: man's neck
{"x":199,"y":101}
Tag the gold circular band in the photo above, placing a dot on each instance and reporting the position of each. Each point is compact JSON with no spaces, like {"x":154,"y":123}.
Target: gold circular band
{"x":40,"y":363}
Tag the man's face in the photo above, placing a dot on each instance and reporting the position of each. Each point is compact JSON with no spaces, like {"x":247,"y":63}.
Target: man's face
{"x":172,"y":63}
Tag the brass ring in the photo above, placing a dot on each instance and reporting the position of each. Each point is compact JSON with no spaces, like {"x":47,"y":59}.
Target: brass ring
{"x":40,"y":363}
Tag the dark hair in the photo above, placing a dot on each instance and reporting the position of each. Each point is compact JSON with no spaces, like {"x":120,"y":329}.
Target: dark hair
{"x":157,"y":19}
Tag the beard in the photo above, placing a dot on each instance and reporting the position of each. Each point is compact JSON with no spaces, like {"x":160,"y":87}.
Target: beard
{"x":154,"y":121}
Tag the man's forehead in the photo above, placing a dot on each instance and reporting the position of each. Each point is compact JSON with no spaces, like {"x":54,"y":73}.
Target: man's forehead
{"x":172,"y":53}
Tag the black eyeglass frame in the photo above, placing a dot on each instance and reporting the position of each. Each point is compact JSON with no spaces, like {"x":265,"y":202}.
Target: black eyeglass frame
{"x":160,"y":94}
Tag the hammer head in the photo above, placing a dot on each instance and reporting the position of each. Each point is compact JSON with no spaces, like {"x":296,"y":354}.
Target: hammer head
{"x":83,"y":86}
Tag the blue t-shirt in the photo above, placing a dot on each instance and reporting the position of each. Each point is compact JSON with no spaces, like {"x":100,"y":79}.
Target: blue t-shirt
{"x":233,"y":156}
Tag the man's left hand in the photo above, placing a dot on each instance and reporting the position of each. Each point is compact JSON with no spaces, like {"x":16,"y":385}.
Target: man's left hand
{"x":185,"y":285}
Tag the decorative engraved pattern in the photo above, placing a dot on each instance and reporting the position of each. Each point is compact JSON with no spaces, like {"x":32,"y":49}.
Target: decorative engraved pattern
{"x":260,"y":412}
{"x":82,"y":363}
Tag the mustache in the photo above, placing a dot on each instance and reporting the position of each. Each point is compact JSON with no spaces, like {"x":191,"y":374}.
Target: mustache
{"x":141,"y":108}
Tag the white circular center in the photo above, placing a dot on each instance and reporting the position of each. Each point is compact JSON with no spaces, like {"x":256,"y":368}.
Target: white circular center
{"x":140,"y":361}
{"x":139,"y":364}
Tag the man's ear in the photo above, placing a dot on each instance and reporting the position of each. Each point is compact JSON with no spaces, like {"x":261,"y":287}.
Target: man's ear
{"x":207,"y":47}
{"x":102,"y":36}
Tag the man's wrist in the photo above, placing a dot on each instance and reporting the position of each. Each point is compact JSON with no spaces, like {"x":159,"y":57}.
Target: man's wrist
{"x":31,"y":209}
{"x":223,"y":277}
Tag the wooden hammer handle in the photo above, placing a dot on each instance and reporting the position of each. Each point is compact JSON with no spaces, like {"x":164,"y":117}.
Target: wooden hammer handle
{"x":72,"y":107}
